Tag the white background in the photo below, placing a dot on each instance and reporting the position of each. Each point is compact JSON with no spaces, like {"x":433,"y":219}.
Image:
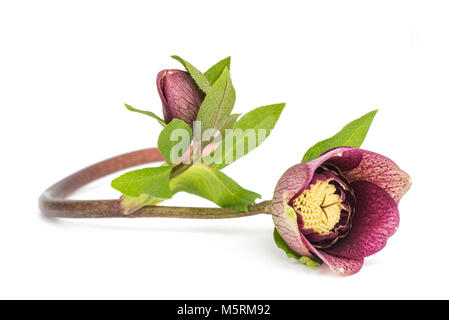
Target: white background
{"x":66,"y":67}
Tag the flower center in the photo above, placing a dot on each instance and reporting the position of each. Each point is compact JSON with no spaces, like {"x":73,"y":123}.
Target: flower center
{"x":320,"y":207}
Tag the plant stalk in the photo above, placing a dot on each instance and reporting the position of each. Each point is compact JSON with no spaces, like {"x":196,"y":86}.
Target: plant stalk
{"x":54,"y":203}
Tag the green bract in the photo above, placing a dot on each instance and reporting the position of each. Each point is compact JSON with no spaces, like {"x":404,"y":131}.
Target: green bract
{"x":147,"y":113}
{"x":280,"y":243}
{"x":263,"y":118}
{"x":200,"y":79}
{"x":352,"y":135}
{"x":216,"y":70}
{"x":151,"y":181}
{"x":218,"y":103}
{"x":176,"y":133}
{"x":214,"y":185}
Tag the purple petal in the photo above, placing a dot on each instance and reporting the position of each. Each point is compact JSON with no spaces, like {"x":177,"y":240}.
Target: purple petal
{"x":376,"y":219}
{"x":284,"y":217}
{"x":160,"y":88}
{"x":180,"y":95}
{"x":339,"y":265}
{"x":347,"y":159}
{"x":381,"y":171}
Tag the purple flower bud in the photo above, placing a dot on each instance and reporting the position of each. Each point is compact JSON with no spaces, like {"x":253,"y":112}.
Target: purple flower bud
{"x":180,"y":95}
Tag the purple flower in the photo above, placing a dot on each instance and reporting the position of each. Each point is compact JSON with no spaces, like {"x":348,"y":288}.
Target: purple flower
{"x":180,"y":95}
{"x":340,"y":207}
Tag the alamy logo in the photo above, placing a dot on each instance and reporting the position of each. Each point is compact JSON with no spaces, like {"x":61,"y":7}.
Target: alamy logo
{"x":213,"y":146}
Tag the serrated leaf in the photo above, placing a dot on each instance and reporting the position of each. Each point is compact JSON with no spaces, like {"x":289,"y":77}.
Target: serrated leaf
{"x":147,"y":113}
{"x":281,"y":244}
{"x":216,"y":70}
{"x":151,"y":181}
{"x":196,"y":74}
{"x":260,"y":120}
{"x":218,"y":103}
{"x":215,"y":186}
{"x":352,"y":135}
{"x":176,"y":134}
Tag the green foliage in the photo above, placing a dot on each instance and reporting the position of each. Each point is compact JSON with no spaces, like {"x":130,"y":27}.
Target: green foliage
{"x":258,"y":121}
{"x":150,"y":181}
{"x":228,"y":123}
{"x":215,"y":186}
{"x":147,"y":113}
{"x":281,"y":244}
{"x":218,"y":103}
{"x":199,"y":78}
{"x":175,"y":129}
{"x":217,"y":69}
{"x":352,"y":135}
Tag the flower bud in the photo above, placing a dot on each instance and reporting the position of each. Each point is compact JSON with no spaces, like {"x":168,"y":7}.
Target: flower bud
{"x":181,"y":97}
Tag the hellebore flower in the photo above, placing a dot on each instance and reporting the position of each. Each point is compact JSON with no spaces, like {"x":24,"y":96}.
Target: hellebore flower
{"x":340,"y":207}
{"x":180,"y":95}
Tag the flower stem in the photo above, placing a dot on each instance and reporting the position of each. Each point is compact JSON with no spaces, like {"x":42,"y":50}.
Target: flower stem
{"x":111,"y":209}
{"x":202,"y":213}
{"x":54,"y":203}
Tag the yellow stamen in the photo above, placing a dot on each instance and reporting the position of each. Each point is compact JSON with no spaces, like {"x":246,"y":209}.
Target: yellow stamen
{"x":320,"y":207}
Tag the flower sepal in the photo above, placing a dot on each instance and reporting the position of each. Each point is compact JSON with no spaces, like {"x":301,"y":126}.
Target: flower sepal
{"x":281,"y":244}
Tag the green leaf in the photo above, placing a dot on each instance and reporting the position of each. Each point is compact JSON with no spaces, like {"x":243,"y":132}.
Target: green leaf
{"x":148,"y":113}
{"x":250,"y":127}
{"x":215,"y":186}
{"x":151,"y":181}
{"x":352,"y":135}
{"x":228,"y":123}
{"x":199,"y":78}
{"x":176,"y":133}
{"x":218,"y":103}
{"x":281,"y":244}
{"x":217,"y":69}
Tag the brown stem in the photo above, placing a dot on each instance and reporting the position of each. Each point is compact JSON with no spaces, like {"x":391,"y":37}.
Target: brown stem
{"x":53,"y":202}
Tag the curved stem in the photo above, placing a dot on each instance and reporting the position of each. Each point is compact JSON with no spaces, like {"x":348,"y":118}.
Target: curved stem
{"x":53,"y":202}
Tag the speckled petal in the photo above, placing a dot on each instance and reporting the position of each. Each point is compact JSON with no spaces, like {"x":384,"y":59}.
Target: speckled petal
{"x":383,"y":172}
{"x":376,"y":219}
{"x":284,"y":217}
{"x":340,"y":265}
